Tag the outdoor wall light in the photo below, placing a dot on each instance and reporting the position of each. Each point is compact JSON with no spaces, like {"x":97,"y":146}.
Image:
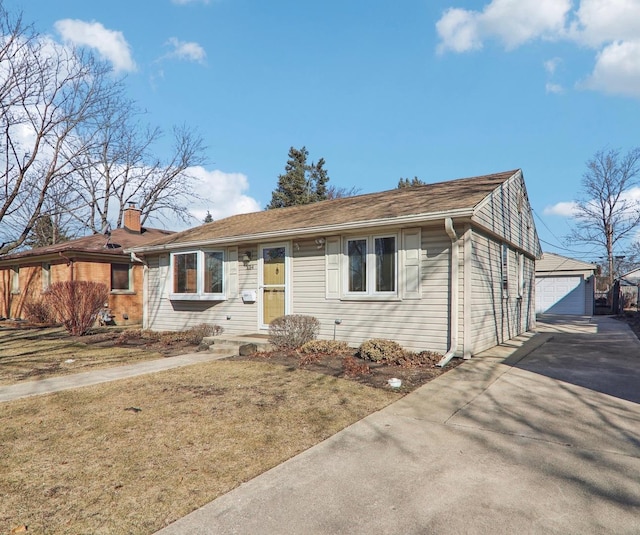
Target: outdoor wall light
{"x":246,"y":259}
{"x":320,"y":242}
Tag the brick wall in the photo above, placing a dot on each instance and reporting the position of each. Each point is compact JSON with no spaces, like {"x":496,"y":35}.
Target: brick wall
{"x":122,"y":304}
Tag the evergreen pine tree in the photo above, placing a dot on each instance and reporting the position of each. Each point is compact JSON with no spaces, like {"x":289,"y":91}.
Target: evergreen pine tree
{"x":301,"y":183}
{"x":407,"y":183}
{"x":45,"y":232}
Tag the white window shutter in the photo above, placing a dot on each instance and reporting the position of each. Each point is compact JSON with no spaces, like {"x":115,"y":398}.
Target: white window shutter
{"x":164,"y":275}
{"x":232,"y":272}
{"x":332,"y":257}
{"x":411,"y":249}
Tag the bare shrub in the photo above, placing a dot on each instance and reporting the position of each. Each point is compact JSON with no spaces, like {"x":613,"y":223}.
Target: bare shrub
{"x":328,"y":347}
{"x":353,"y":367}
{"x":381,"y":350}
{"x":37,"y":311}
{"x":293,"y":331}
{"x":76,"y":304}
{"x":193,"y":335}
{"x":424,"y":359}
{"x":310,"y":358}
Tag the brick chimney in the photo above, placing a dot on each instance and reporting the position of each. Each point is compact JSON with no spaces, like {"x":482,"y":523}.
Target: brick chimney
{"x":132,"y":219}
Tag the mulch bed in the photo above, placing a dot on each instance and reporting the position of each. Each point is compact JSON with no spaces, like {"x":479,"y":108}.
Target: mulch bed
{"x":412,"y":376}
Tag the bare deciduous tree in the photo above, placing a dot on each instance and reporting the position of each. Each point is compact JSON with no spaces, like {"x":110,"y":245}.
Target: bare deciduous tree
{"x":71,"y":144}
{"x":606,"y":214}
{"x":46,"y":92}
{"x":118,"y":166}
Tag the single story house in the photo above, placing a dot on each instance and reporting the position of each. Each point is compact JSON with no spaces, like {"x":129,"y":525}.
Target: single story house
{"x":25,"y":275}
{"x":564,"y":286}
{"x":447,"y":267}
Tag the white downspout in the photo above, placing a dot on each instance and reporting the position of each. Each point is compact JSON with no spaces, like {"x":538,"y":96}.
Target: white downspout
{"x":453,"y":298}
{"x":145,"y":288}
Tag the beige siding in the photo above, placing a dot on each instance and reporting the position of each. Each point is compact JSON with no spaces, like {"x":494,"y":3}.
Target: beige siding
{"x":497,"y":317}
{"x":507,"y":213}
{"x":419,"y":324}
{"x":235,"y":316}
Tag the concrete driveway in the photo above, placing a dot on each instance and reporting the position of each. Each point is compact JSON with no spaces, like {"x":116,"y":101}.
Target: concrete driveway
{"x":539,"y":436}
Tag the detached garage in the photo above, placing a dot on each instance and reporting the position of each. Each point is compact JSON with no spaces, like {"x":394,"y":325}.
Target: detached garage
{"x":564,"y":286}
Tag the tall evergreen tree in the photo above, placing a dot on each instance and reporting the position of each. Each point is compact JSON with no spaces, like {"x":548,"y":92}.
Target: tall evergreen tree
{"x":301,"y":183}
{"x":45,"y":232}
{"x":406,"y":183}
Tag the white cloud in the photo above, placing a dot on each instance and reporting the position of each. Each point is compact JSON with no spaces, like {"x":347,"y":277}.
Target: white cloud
{"x":459,"y":31}
{"x":513,"y":22}
{"x":603,"y":21}
{"x":223,"y":194}
{"x":110,"y":44}
{"x":617,"y":69}
{"x":629,"y":201}
{"x":184,"y":50}
{"x":552,"y":65}
{"x":565,"y":209}
{"x":554,"y":89}
{"x":610,"y":27}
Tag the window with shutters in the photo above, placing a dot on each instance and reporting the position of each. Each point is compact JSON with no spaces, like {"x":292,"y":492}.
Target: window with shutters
{"x":371,"y":267}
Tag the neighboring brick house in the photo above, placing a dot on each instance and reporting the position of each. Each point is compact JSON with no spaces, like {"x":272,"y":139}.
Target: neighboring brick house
{"x":25,"y":275}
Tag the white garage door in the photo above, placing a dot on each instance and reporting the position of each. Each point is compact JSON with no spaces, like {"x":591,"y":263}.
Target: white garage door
{"x":560,"y":295}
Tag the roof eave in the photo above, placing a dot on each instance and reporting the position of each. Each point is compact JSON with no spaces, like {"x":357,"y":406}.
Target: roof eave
{"x":308,"y":231}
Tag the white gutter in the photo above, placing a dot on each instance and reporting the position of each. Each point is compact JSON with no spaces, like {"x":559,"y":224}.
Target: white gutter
{"x":453,"y":298}
{"x":136,"y":258}
{"x":145,"y":288}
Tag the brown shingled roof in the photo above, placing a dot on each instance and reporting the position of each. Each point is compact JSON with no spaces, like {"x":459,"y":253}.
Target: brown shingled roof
{"x":460,"y":194}
{"x":120,"y":240}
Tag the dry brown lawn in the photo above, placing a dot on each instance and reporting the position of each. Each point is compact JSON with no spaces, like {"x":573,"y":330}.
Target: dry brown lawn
{"x":31,"y":354}
{"x":134,"y":455}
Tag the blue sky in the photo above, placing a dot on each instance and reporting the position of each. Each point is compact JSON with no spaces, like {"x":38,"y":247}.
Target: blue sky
{"x":438,"y":89}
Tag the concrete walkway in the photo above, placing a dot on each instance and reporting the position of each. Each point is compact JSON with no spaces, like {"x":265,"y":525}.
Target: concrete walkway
{"x":540,"y":436}
{"x":94,"y":377}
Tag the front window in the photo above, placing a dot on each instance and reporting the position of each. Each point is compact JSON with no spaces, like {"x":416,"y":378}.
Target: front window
{"x":213,"y":270}
{"x":120,"y":277}
{"x":357,"y":253}
{"x":198,"y":275}
{"x":372,"y":265}
{"x":185,"y":273}
{"x":385,"y":264}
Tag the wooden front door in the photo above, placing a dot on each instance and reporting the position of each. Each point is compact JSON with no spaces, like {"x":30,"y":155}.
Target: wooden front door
{"x":274,"y":283}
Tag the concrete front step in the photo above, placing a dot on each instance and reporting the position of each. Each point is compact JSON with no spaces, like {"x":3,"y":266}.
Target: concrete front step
{"x":234,"y":345}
